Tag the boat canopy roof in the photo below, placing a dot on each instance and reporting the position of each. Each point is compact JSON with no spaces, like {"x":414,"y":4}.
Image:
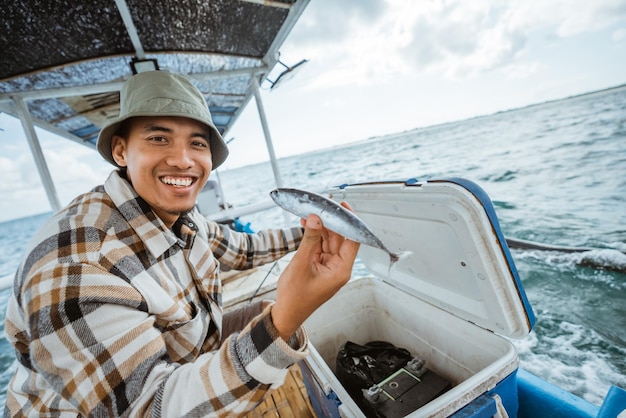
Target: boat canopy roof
{"x":68,"y":59}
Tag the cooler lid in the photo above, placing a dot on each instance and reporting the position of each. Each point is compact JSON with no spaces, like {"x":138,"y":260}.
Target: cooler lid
{"x":457,"y":257}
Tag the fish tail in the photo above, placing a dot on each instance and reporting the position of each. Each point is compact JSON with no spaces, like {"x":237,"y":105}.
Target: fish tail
{"x":394,"y":257}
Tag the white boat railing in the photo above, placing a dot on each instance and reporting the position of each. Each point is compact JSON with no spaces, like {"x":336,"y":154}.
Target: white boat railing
{"x":232,"y":213}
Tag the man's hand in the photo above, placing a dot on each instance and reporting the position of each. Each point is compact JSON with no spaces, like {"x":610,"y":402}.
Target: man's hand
{"x":320,"y":267}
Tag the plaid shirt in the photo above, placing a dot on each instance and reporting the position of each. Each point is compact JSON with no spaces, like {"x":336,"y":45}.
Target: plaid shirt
{"x":113,"y":314}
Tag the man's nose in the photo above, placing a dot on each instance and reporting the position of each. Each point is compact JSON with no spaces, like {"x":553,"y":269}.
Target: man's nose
{"x":179,"y":156}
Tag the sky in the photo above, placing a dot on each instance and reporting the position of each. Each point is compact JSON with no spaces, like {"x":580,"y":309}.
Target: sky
{"x":377,"y":67}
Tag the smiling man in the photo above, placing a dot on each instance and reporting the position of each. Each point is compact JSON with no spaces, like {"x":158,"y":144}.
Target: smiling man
{"x":167,"y":160}
{"x":117,"y":305}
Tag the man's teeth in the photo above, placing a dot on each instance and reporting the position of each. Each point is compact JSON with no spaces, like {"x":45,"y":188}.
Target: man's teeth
{"x":179,"y":182}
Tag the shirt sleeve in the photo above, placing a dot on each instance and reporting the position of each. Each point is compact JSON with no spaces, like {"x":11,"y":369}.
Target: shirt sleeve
{"x":99,"y":349}
{"x":240,"y":251}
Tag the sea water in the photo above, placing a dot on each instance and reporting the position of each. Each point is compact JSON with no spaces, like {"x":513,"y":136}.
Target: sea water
{"x":556,"y":173}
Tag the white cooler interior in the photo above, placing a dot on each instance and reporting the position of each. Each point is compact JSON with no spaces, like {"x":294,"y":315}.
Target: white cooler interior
{"x":474,"y":360}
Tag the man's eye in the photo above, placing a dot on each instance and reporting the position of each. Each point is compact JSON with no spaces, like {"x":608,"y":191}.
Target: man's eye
{"x":201,"y":144}
{"x":157,"y":139}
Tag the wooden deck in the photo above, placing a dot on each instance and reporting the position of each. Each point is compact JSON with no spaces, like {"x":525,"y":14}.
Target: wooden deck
{"x":288,"y":401}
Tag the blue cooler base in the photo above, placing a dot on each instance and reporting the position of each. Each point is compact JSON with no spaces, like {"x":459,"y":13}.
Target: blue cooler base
{"x":485,"y":405}
{"x":324,"y":405}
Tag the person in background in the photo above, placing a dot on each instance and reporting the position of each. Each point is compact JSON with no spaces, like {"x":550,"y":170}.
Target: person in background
{"x":117,"y":305}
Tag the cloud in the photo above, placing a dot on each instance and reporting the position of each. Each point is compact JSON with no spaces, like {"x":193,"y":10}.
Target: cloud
{"x":69,"y":165}
{"x":10,"y":174}
{"x":567,"y":17}
{"x":331,"y":21}
{"x":74,"y":169}
{"x":619,"y":35}
{"x":460,"y":40}
{"x":357,"y":43}
{"x":19,"y":172}
{"x":521,"y":71}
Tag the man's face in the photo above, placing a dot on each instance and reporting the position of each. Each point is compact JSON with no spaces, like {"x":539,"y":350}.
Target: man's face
{"x":168,"y":161}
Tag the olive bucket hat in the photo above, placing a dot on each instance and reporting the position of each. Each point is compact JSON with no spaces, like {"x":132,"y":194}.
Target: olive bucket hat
{"x":162,"y":93}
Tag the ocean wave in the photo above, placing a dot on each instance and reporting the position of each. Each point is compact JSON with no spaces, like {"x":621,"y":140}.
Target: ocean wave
{"x":613,"y":260}
{"x":564,"y":356}
{"x":605,"y":259}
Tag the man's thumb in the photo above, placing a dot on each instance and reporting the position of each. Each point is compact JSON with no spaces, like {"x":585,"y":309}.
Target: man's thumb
{"x":312,"y":232}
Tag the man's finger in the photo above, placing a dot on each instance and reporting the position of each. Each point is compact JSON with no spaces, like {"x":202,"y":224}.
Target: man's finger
{"x":349,"y":250}
{"x":312,"y":235}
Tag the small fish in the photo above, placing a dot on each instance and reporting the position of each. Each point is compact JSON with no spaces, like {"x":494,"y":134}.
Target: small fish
{"x":334,"y":216}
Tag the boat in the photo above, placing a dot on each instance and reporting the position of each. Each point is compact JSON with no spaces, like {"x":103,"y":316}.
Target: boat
{"x":63,"y":65}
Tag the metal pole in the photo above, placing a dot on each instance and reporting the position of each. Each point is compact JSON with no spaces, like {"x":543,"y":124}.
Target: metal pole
{"x":122,"y":6}
{"x":35,"y":149}
{"x":266,"y":131}
{"x":268,"y":140}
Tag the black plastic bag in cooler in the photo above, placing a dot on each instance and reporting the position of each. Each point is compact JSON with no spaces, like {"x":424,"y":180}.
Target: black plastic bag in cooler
{"x":386,"y":381}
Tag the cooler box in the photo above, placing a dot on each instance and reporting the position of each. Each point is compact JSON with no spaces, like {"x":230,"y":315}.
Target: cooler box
{"x":451,"y":299}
